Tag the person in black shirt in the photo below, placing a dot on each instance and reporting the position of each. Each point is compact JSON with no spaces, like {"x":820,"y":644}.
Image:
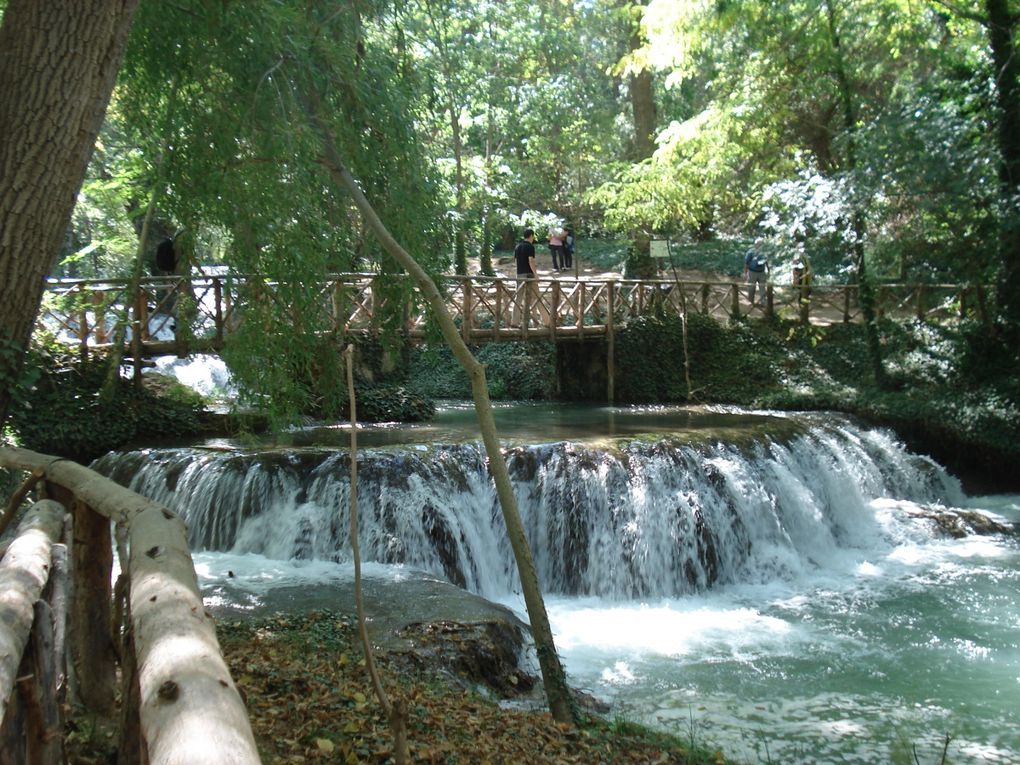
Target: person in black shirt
{"x":527,"y":272}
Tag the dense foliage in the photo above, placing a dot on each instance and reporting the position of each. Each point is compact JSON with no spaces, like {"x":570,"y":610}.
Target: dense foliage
{"x":870,"y":135}
{"x":513,"y":371}
{"x":955,"y":389}
{"x":75,"y":410}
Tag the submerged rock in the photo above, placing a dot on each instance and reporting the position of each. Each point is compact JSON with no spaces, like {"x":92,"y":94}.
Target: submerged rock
{"x":958,"y":523}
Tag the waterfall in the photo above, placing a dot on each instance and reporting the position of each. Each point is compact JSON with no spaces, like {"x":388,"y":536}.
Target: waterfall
{"x":637,"y":518}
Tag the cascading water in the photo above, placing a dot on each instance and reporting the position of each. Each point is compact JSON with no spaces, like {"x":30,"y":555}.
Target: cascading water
{"x":764,"y":586}
{"x":638,"y":519}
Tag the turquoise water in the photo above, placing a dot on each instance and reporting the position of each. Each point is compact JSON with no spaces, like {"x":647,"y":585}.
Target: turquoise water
{"x":844,"y":630}
{"x":861,"y":661}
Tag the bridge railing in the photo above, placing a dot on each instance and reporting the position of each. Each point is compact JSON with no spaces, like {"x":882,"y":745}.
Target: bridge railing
{"x":178,"y":702}
{"x":170,"y":314}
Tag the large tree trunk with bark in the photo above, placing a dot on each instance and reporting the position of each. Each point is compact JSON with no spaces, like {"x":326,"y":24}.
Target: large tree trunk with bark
{"x":639,"y":263}
{"x":58,"y":64}
{"x":1002,"y":27}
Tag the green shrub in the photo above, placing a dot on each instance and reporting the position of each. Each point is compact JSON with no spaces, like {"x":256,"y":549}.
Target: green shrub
{"x":514,"y":371}
{"x":728,"y":363}
{"x":66,"y":413}
{"x":392,"y":403}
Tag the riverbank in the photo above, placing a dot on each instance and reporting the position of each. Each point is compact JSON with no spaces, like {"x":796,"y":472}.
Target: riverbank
{"x":310,"y":700}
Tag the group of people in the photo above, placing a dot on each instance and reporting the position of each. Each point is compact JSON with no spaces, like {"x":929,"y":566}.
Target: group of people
{"x":756,"y":270}
{"x":561,"y":247}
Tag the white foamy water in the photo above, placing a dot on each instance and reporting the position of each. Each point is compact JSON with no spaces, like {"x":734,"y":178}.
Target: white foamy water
{"x":779,"y":599}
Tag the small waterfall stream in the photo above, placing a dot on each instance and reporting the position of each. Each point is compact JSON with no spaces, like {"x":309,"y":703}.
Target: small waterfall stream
{"x":762,"y":583}
{"x":629,"y":519}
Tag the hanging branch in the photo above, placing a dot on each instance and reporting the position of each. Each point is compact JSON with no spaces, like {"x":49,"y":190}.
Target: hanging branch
{"x":683,"y":320}
{"x":554,"y":679}
{"x":117,"y":351}
{"x":396,"y":712}
{"x":18,"y":497}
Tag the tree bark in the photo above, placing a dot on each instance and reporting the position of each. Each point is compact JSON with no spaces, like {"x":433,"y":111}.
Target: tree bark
{"x":1002,"y":39}
{"x":639,"y":264}
{"x":58,"y":65}
{"x":95,"y":659}
{"x":867,"y":292}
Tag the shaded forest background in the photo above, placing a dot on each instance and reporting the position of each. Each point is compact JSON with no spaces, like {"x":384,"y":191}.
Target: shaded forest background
{"x":876,"y":137}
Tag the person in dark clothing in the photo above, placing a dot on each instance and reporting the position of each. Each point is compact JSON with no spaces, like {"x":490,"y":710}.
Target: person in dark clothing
{"x":756,"y":270}
{"x":568,"y":249}
{"x":524,"y":254}
{"x":527,"y":272}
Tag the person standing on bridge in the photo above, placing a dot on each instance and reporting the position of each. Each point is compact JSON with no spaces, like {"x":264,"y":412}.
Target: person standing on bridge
{"x":568,"y":249}
{"x":756,"y":268}
{"x":556,"y":236}
{"x":527,"y":272}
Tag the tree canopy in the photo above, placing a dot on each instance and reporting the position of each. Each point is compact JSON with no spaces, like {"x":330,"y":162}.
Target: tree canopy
{"x":864,"y":133}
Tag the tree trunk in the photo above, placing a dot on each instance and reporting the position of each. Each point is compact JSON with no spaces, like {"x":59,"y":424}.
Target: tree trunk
{"x":1001,"y":31}
{"x":867,"y":293}
{"x":639,"y":263}
{"x":554,"y":679}
{"x":95,"y":659}
{"x":58,"y":65}
{"x":460,"y":237}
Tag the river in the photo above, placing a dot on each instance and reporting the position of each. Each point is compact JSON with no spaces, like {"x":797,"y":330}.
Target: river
{"x":759,"y":582}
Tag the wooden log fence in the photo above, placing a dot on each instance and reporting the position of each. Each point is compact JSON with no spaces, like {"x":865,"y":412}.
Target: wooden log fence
{"x":179,"y":702}
{"x":174,"y":316}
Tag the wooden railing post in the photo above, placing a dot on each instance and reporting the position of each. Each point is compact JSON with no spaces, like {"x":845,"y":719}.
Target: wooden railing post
{"x":554,"y":311}
{"x":610,"y":346}
{"x":83,"y":333}
{"x":466,"y":317}
{"x":706,"y":289}
{"x":92,"y":647}
{"x":919,"y":308}
{"x":497,"y":308}
{"x":218,"y":316}
{"x":734,"y":301}
{"x":964,"y":292}
{"x":769,"y":301}
{"x":580,"y":309}
{"x":846,"y":303}
{"x":138,"y":326}
{"x":99,"y":310}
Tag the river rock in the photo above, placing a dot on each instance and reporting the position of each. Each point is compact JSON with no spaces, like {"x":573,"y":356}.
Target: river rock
{"x":958,"y":523}
{"x":421,"y":620}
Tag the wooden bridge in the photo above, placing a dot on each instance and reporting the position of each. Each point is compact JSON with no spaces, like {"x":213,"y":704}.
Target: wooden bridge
{"x":487,"y":309}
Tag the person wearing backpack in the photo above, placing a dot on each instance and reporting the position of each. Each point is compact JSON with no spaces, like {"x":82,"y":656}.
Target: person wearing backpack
{"x":756,"y":269}
{"x":556,"y":236}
